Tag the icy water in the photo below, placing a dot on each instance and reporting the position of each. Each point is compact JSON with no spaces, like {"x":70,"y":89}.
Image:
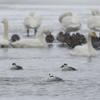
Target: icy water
{"x":29,"y":84}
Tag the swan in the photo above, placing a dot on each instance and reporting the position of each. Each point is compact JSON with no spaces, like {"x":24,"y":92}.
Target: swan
{"x":4,"y":43}
{"x":85,"y":50}
{"x":16,"y":67}
{"x":32,"y":21}
{"x":93,"y":22}
{"x":52,"y":78}
{"x":65,"y":67}
{"x":95,"y":12}
{"x":32,"y":43}
{"x":70,"y":22}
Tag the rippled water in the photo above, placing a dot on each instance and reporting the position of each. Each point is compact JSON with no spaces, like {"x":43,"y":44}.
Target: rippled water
{"x":29,"y":84}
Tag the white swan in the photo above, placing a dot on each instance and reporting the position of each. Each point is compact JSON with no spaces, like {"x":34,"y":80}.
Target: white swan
{"x":32,"y":43}
{"x":93,"y":22}
{"x":70,"y":22}
{"x":95,"y":12}
{"x":85,"y":50}
{"x":4,"y":43}
{"x":32,"y":21}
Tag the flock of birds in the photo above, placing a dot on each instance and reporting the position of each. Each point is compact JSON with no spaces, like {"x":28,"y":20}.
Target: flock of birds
{"x":51,"y":78}
{"x":81,"y":45}
{"x":69,"y":23}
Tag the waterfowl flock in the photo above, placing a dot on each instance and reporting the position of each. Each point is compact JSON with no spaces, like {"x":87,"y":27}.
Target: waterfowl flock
{"x":69,"y":23}
{"x":79,"y":44}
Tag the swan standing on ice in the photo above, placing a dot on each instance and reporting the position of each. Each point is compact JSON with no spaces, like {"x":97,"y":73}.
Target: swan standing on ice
{"x":85,"y":50}
{"x":70,"y":22}
{"x":32,"y":43}
{"x":93,"y":22}
{"x":52,"y":78}
{"x":4,"y":43}
{"x":32,"y":21}
{"x":65,"y":67}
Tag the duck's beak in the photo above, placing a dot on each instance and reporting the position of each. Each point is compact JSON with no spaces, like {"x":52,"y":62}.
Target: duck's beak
{"x":94,"y":35}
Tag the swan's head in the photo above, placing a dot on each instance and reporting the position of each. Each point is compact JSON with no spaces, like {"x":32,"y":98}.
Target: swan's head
{"x":46,"y":31}
{"x":95,"y":12}
{"x":4,"y":21}
{"x":68,"y":14}
{"x":92,"y":33}
{"x":64,"y":15}
{"x":32,"y":14}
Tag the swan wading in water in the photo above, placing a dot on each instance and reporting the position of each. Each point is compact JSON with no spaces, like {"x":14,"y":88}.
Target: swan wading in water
{"x":32,"y":21}
{"x":93,"y":22}
{"x":16,"y":67}
{"x":65,"y":67}
{"x":4,"y":43}
{"x":85,"y":50}
{"x":32,"y":43}
{"x":70,"y":22}
{"x":52,"y":78}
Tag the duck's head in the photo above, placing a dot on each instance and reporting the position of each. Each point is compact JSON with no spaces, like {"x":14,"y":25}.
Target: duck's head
{"x":13,"y":64}
{"x":63,"y":65}
{"x":51,"y":75}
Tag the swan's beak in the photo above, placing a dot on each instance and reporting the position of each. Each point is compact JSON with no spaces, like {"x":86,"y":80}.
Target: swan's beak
{"x":93,"y":14}
{"x":94,"y":35}
{"x":49,"y":34}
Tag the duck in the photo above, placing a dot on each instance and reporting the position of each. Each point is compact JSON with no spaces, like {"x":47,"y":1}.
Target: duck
{"x":70,"y":22}
{"x":32,"y":43}
{"x":75,"y":39}
{"x":16,"y":67}
{"x":93,"y":21}
{"x":65,"y":67}
{"x":85,"y":50}
{"x":49,"y":38}
{"x":4,"y":42}
{"x":14,"y":38}
{"x":62,"y":37}
{"x":32,"y":21}
{"x":52,"y":78}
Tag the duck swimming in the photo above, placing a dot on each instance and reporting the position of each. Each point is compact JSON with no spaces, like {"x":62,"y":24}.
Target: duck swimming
{"x":52,"y":78}
{"x":16,"y":67}
{"x":65,"y":67}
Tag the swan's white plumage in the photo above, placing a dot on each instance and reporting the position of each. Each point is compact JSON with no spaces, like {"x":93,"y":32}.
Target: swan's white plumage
{"x":85,"y":50}
{"x":32,"y":43}
{"x":70,"y":22}
{"x":4,"y":41}
{"x":32,"y":21}
{"x":94,"y":21}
